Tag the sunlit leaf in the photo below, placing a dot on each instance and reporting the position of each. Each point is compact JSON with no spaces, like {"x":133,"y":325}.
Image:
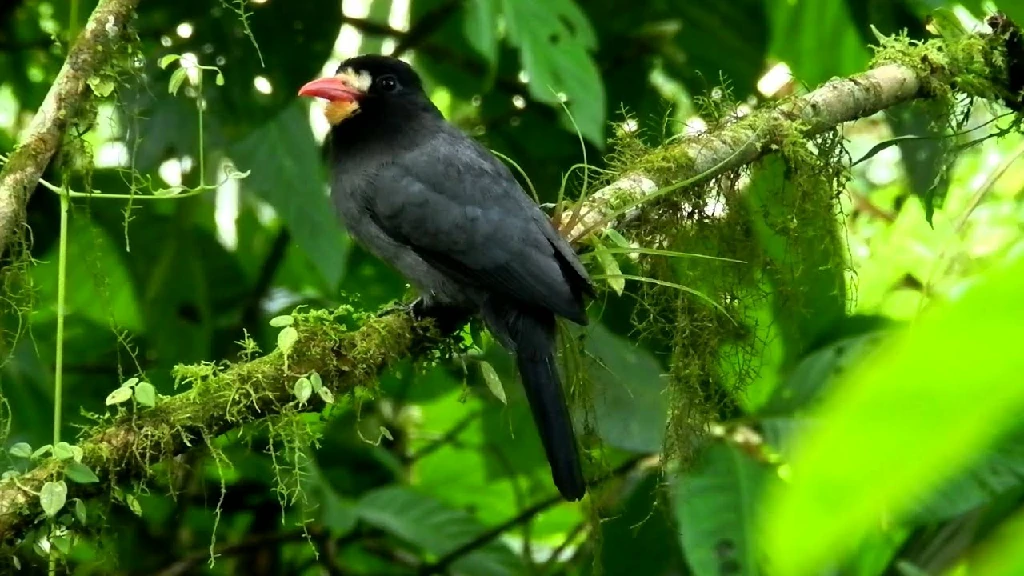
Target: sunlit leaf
{"x":915,"y":412}
{"x":493,"y":381}
{"x":52,"y":497}
{"x":145,"y":394}
{"x":21,"y":450}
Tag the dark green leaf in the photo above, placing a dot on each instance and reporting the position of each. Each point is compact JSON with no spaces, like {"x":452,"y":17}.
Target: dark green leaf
{"x":285,"y":170}
{"x":481,"y":29}
{"x":716,"y":504}
{"x":800,"y":29}
{"x":554,"y":40}
{"x":629,"y":393}
{"x":80,"y":473}
{"x":436,"y":528}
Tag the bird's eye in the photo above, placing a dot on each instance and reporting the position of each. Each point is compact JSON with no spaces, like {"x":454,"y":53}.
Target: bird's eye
{"x":387,"y":83}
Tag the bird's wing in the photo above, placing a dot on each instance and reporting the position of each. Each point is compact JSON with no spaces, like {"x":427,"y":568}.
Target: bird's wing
{"x":464,"y":213}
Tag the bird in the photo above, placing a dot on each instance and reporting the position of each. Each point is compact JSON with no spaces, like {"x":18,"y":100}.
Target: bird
{"x":441,"y":209}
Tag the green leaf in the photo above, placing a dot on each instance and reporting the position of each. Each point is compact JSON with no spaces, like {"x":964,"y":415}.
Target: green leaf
{"x":800,"y":29}
{"x":715,"y":504}
{"x":42,"y":450}
{"x":437,"y":528}
{"x":102,"y":87}
{"x":637,"y":537}
{"x":493,"y":381}
{"x":145,"y":394}
{"x":62,"y":542}
{"x":611,"y":269}
{"x":999,"y":471}
{"x":168,"y":59}
{"x":957,"y":369}
{"x":326,"y":395}
{"x":62,"y":451}
{"x":481,"y":29}
{"x":52,"y":497}
{"x":811,"y":377}
{"x":122,"y":394}
{"x":21,"y":450}
{"x":554,"y":39}
{"x":282,"y":321}
{"x":219,"y":79}
{"x":131,"y":382}
{"x":177,"y":78}
{"x":302,"y":389}
{"x":79,"y":510}
{"x":287,"y":338}
{"x":629,"y":393}
{"x":80,"y":473}
{"x":285,"y":170}
{"x":316,"y":382}
{"x":133,"y":504}
{"x":77,"y":453}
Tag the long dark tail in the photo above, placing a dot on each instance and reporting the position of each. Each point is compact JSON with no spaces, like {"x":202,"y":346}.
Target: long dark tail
{"x":531,"y":335}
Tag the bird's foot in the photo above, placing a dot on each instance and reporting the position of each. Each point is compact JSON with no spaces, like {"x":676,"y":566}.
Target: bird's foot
{"x":447,"y":317}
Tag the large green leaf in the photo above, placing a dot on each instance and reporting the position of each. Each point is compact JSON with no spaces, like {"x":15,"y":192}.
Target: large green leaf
{"x":285,"y":170}
{"x":638,"y":536}
{"x":1000,"y":470}
{"x":715,"y":504}
{"x":629,"y":393}
{"x":436,"y":528}
{"x":800,"y":29}
{"x":481,"y":28}
{"x":902,"y":423}
{"x":555,"y":39}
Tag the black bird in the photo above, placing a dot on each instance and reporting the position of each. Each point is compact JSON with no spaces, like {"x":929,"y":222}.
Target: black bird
{"x":440,"y":208}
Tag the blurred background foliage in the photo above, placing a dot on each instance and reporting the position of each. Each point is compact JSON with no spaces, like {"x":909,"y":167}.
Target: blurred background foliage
{"x":460,"y":485}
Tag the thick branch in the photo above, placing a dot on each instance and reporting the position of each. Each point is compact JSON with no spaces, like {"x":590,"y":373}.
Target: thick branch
{"x":250,"y":391}
{"x":90,"y":53}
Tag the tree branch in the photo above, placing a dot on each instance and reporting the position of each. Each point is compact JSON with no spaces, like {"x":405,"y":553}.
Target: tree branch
{"x":95,"y":45}
{"x":223,"y":399}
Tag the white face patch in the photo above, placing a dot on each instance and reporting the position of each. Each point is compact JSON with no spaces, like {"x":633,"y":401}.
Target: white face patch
{"x":361,"y":80}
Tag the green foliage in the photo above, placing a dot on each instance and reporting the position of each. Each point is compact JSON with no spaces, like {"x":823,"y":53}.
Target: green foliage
{"x":921,"y":367}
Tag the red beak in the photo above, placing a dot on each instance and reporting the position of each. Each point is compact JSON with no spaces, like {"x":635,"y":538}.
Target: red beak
{"x":331,"y":88}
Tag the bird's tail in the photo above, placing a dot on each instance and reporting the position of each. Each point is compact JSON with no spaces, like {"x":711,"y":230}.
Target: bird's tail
{"x":531,"y":335}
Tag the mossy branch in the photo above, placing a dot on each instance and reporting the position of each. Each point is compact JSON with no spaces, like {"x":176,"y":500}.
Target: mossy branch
{"x":221,"y":399}
{"x":105,"y":29}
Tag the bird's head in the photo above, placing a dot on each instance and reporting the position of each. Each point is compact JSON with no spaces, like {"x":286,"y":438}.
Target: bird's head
{"x":368,"y":85}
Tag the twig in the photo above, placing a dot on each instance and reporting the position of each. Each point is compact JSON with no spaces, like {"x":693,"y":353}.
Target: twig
{"x":93,"y":49}
{"x":446,"y":437}
{"x":557,"y":552}
{"x":186,"y":564}
{"x":526,"y":515}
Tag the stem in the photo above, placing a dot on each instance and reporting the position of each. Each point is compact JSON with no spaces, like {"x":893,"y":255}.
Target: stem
{"x":62,"y":267}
